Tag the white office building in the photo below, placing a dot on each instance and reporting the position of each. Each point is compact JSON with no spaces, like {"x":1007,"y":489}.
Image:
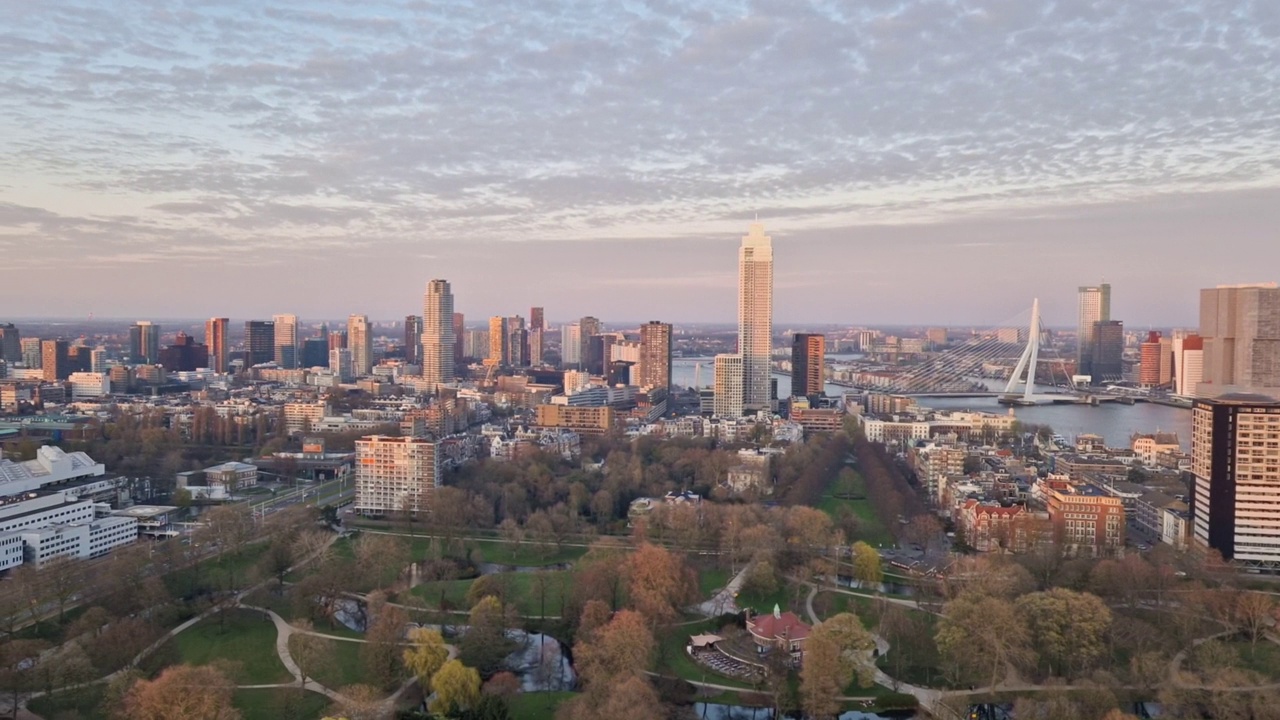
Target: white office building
{"x":87,"y":385}
{"x":51,"y":466}
{"x":82,"y":540}
{"x":728,"y":402}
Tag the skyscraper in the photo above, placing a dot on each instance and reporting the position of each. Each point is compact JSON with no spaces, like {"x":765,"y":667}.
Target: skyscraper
{"x":53,"y":360}
{"x":413,"y":339}
{"x":286,"y":340}
{"x":338,"y":340}
{"x":395,"y":474}
{"x":755,"y":316}
{"x":1234,"y":482}
{"x":537,"y":319}
{"x":808,"y":361}
{"x":499,"y":341}
{"x":1188,"y":364}
{"x":1107,"y":364}
{"x":571,"y":346}
{"x":360,"y":343}
{"x":655,"y":355}
{"x":728,"y":387}
{"x":259,"y":342}
{"x":215,"y":338}
{"x":459,"y":332}
{"x":144,"y":343}
{"x":31,"y":353}
{"x":536,"y":346}
{"x":10,"y":343}
{"x":438,"y":340}
{"x":1095,"y":307}
{"x":1240,"y":325}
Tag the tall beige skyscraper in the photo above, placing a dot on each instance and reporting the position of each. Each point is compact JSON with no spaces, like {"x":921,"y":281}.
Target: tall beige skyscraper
{"x":437,"y":333}
{"x":727,"y":402}
{"x":499,"y":341}
{"x":286,"y":340}
{"x":360,"y":343}
{"x":1240,"y":325}
{"x":755,"y":316}
{"x":215,"y":337}
{"x":1095,"y":307}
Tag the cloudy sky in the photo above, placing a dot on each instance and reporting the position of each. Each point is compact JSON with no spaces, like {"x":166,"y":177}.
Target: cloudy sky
{"x":915,"y":160}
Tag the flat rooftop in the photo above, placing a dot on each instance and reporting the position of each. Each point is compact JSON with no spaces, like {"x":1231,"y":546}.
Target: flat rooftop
{"x":144,"y":511}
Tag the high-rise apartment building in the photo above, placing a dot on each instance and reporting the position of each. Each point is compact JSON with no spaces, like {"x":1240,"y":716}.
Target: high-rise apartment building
{"x":438,"y":339}
{"x":476,"y":345}
{"x":537,"y":345}
{"x":1152,"y":363}
{"x":571,"y":346}
{"x":1240,"y":325}
{"x":340,"y":363}
{"x":53,"y":360}
{"x":314,"y":352}
{"x":360,"y":343}
{"x":10,"y":343}
{"x":144,"y":343}
{"x":215,"y":338}
{"x":413,"y":339}
{"x":728,"y":401}
{"x":395,"y":474}
{"x":518,"y":344}
{"x":338,"y":340}
{"x":1095,"y":307}
{"x":499,"y":341}
{"x":259,"y":342}
{"x":808,"y":364}
{"x":755,"y":316}
{"x":1188,"y":359}
{"x":459,"y":332}
{"x":537,"y":318}
{"x":588,"y":327}
{"x":285,"y":343}
{"x":31,"y":353}
{"x":1235,"y":464}
{"x":655,"y":355}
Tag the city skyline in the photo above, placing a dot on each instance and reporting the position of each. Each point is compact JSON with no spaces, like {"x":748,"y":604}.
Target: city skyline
{"x":297,"y":150}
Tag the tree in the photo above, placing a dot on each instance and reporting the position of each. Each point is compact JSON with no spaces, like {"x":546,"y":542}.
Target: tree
{"x":183,"y":691}
{"x":659,"y":583}
{"x":63,"y":577}
{"x":924,"y":530}
{"x":853,"y":646}
{"x":230,"y":526}
{"x":359,"y":702}
{"x":311,"y":653}
{"x":980,"y":637}
{"x":380,"y":654}
{"x":426,"y":654}
{"x":1069,"y":629}
{"x":278,"y":559}
{"x":1254,"y":612}
{"x":485,"y":644}
{"x":821,"y":678}
{"x":19,"y":663}
{"x":623,"y":647}
{"x":381,"y":558}
{"x":866,"y":564}
{"x":630,"y":699}
{"x":457,"y":687}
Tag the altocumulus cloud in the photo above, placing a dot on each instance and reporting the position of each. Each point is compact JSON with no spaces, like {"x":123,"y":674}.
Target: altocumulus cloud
{"x":145,"y":131}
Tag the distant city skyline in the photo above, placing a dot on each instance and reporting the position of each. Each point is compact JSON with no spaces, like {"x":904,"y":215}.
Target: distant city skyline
{"x":915,"y":163}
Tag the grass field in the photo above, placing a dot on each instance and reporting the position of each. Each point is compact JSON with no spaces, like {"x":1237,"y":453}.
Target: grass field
{"x":83,"y":702}
{"x":341,"y":666}
{"x":1262,"y":658}
{"x":871,"y":528}
{"x":712,"y":580}
{"x":520,"y":593}
{"x":537,"y":706}
{"x":216,"y":574}
{"x":784,"y":597}
{"x":248,"y":639}
{"x":276,"y":703}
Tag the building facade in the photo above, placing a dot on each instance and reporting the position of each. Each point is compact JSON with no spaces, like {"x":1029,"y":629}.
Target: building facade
{"x":728,"y":401}
{"x":360,"y":343}
{"x":259,"y":342}
{"x":655,"y":355}
{"x":755,"y":316}
{"x":395,"y":474}
{"x":1235,"y":466}
{"x":1240,"y":327}
{"x":413,"y":339}
{"x":438,"y":339}
{"x":215,"y":338}
{"x":1095,"y":307}
{"x":53,"y":360}
{"x":808,"y":363}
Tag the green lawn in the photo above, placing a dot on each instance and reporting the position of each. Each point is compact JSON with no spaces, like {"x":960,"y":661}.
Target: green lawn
{"x":521,"y":593}
{"x":712,"y":580}
{"x":1262,"y":658}
{"x":537,"y":706}
{"x":343,"y":667}
{"x":783,"y":597}
{"x":872,"y":529}
{"x":218,"y":573}
{"x":248,"y":638}
{"x":280,"y":704}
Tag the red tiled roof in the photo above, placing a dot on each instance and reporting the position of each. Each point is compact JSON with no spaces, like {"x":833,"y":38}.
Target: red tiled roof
{"x":787,"y":626}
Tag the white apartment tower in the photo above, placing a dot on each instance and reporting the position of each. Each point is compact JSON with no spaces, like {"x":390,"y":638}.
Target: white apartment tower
{"x":728,"y":402}
{"x":755,"y":317}
{"x":286,"y":340}
{"x":437,"y":333}
{"x":360,"y":343}
{"x":395,"y":474}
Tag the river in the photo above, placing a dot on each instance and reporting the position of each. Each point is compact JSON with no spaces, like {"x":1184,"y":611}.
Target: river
{"x":1113,"y":421}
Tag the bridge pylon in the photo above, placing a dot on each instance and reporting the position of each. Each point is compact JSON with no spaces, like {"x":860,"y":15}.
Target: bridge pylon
{"x":1024,"y":373}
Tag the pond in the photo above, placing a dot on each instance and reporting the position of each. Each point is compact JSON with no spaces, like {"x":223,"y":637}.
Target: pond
{"x":540,"y":663}
{"x":488,"y":568}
